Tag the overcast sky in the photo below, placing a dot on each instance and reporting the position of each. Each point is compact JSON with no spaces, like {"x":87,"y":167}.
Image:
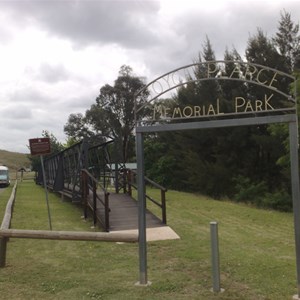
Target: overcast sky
{"x":56,"y":55}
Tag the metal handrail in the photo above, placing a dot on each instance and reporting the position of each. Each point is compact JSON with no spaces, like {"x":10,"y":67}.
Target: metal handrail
{"x":163,"y":190}
{"x":89,"y":182}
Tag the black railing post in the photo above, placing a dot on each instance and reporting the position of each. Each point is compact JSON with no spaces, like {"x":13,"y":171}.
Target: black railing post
{"x":104,"y":179}
{"x":106,"y":212}
{"x":129,"y":180}
{"x":116,"y":178}
{"x":95,"y":202}
{"x":84,"y":192}
{"x":163,"y":206}
{"x":125,"y":181}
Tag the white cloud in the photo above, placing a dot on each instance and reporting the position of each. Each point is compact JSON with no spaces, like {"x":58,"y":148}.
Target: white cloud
{"x":55,"y":55}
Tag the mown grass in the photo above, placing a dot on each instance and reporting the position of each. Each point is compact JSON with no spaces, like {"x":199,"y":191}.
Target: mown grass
{"x":257,"y":257}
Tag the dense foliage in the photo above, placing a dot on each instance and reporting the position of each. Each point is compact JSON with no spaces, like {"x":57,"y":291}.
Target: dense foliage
{"x":249,"y":164}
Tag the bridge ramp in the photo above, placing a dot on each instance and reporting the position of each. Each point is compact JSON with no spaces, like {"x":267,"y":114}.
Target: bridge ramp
{"x":124,"y":218}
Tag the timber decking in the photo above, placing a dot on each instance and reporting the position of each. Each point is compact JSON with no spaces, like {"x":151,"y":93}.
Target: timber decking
{"x":124,"y":213}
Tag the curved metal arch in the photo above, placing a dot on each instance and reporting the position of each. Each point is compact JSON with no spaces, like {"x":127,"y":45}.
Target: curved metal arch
{"x":174,"y":79}
{"x":288,"y":96}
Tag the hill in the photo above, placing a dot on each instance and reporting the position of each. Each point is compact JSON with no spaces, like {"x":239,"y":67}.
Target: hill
{"x":14,"y":160}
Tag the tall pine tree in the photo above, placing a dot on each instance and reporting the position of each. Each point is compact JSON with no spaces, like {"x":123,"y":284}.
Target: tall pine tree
{"x":287,"y":42}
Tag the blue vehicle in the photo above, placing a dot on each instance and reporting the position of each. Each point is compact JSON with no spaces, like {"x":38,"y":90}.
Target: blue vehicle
{"x":4,"y":176}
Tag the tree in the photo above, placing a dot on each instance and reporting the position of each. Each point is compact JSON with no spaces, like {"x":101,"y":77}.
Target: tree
{"x":267,"y":148}
{"x":212,"y":160}
{"x":55,"y":145}
{"x":76,"y":128}
{"x":287,"y":41}
{"x":182,"y":160}
{"x":113,"y":113}
{"x":239,"y":162}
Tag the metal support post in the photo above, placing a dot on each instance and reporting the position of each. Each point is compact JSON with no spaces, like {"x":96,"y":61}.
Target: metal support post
{"x":142,"y":210}
{"x":215,"y":261}
{"x":46,"y":191}
{"x":293,"y":130}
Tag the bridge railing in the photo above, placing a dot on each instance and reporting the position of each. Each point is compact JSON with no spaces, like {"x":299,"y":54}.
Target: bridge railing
{"x":90,"y":184}
{"x":130,"y":180}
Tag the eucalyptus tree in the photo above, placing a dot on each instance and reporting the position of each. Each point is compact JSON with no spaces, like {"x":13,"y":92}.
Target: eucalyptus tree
{"x":112,"y":114}
{"x":77,"y":128}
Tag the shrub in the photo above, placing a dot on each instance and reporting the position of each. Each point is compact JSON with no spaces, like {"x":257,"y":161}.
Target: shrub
{"x":247,"y":191}
{"x":256,"y":193}
{"x":280,"y":200}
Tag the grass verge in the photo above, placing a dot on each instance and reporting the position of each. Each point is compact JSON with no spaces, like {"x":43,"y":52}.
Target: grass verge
{"x":256,"y":253}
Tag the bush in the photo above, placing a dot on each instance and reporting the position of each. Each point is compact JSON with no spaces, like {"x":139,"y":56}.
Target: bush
{"x":256,"y":193}
{"x":247,"y":191}
{"x":280,"y":200}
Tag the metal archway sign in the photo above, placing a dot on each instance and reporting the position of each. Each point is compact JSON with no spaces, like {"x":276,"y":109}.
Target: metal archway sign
{"x":273,"y":106}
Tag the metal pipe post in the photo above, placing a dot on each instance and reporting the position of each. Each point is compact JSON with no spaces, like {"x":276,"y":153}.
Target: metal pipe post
{"x":46,"y":192}
{"x":293,"y":130}
{"x":142,"y":209}
{"x":215,"y":256}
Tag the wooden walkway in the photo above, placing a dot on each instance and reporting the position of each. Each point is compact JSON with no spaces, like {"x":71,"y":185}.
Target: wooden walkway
{"x":124,"y":213}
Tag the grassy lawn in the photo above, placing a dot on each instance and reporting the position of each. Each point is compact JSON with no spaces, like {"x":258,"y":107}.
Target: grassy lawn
{"x":256,"y":253}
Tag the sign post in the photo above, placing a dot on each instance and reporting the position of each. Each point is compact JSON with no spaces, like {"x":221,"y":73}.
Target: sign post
{"x":41,"y":146}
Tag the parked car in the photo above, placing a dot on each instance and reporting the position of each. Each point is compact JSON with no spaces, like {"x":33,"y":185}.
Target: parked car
{"x":4,"y":176}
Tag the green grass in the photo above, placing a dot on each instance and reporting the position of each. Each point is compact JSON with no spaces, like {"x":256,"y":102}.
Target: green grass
{"x":257,"y":257}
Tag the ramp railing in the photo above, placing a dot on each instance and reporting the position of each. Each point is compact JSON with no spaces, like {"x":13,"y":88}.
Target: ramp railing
{"x":130,"y":183}
{"x":91,"y":199}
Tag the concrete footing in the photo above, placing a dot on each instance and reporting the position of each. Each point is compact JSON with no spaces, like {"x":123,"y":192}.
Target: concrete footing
{"x":143,"y":285}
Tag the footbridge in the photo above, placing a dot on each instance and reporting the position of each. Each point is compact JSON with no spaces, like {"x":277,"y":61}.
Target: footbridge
{"x":86,"y":175}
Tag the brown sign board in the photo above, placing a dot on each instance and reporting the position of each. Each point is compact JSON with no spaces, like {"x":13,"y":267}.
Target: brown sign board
{"x":39,"y":146}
